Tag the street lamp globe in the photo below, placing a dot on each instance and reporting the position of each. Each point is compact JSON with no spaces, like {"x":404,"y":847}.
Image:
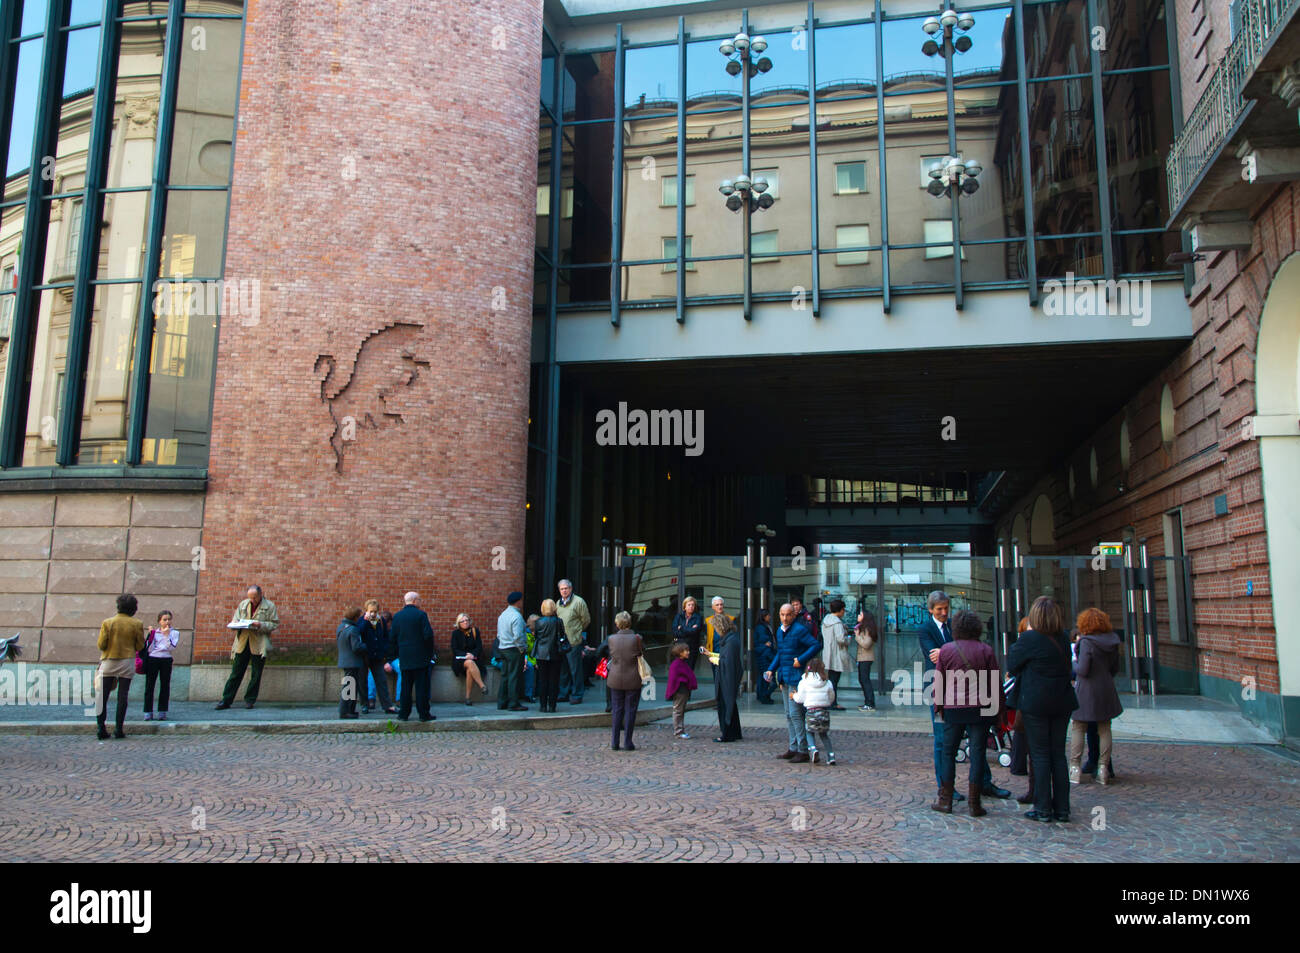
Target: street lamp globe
{"x":743,"y":182}
{"x":970,"y":186}
{"x":965,"y":22}
{"x":931,"y":26}
{"x":733,"y":202}
{"x":973,"y":168}
{"x":765,"y":200}
{"x":726,"y":47}
{"x":929,"y":48}
{"x":733,"y":67}
{"x":935,"y":187}
{"x":760,"y":184}
{"x":727,"y":187}
{"x":742,"y":41}
{"x":758,"y":44}
{"x":948,"y":19}
{"x":962,"y":43}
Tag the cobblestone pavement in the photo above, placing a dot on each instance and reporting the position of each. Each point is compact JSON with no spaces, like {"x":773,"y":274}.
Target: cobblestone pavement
{"x":567,"y":796}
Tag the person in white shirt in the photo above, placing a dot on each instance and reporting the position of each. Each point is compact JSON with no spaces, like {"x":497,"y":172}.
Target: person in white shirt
{"x":158,"y":645}
{"x":817,"y":695}
{"x":835,"y":646}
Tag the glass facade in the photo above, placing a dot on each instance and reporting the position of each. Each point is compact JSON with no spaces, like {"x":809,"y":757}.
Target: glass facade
{"x":1066,"y":117}
{"x":118,"y":143}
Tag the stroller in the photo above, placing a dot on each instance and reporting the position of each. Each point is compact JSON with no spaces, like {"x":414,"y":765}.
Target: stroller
{"x":999,"y":738}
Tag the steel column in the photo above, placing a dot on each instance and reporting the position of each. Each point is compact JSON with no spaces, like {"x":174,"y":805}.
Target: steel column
{"x":811,"y":33}
{"x":616,"y":200}
{"x":681,"y":170}
{"x":880,"y":162}
{"x":1026,"y":172}
{"x":1099,"y":142}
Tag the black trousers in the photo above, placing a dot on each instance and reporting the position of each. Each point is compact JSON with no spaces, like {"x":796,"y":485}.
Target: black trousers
{"x":978,"y":733}
{"x":1046,"y":735}
{"x":624,"y":718}
{"x":375,"y":667}
{"x":414,"y":680}
{"x":864,"y":680}
{"x":352,"y":685}
{"x":157,"y":670}
{"x":512,"y":677}
{"x":548,"y":681}
{"x":694,"y":642}
{"x":123,"y":686}
{"x":833,"y":677}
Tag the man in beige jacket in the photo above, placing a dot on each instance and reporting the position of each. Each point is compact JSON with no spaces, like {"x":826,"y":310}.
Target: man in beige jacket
{"x":251,"y":644}
{"x":576,"y":617}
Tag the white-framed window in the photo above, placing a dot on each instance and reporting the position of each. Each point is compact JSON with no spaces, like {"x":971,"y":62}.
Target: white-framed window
{"x":848,"y":236}
{"x":72,"y":219}
{"x":7,"y":302}
{"x":544,"y":202}
{"x":668,"y":190}
{"x":851,"y":178}
{"x":670,"y":251}
{"x":764,"y":243}
{"x":940,"y":230}
{"x":773,"y":177}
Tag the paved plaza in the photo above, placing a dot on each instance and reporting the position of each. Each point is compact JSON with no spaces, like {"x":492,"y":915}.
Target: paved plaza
{"x":564,"y":795}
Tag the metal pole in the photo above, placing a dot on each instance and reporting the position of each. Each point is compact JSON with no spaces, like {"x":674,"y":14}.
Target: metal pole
{"x":604,"y":587}
{"x":616,"y":206}
{"x":880,"y":163}
{"x":746,"y":208}
{"x":1130,"y":618}
{"x":949,"y":51}
{"x":1149,"y":613}
{"x":1026,"y":171}
{"x":681,"y":170}
{"x":1099,"y":143}
{"x":1000,"y":603}
{"x":812,"y":160}
{"x":618,"y":577}
{"x":551,"y":374}
{"x":749,"y":613}
{"x":1019,"y":562}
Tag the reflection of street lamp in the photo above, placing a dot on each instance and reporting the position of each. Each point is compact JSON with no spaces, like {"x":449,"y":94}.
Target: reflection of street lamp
{"x":742,"y":192}
{"x":951,"y":173}
{"x":951,"y":177}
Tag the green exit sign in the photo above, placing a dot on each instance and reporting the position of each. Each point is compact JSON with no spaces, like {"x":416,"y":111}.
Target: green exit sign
{"x":1110,"y":549}
{"x":635,"y":549}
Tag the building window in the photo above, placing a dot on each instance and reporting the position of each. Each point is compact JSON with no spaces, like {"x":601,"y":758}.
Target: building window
{"x":670,"y":251}
{"x":1175,"y":581}
{"x":6,"y":303}
{"x":850,"y":236}
{"x":668,"y":196}
{"x":72,"y":221}
{"x":763,"y":243}
{"x":850,"y":178}
{"x":940,"y":230}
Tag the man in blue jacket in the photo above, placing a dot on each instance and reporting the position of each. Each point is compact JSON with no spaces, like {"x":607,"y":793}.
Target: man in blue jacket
{"x":933,"y":634}
{"x":795,"y":647}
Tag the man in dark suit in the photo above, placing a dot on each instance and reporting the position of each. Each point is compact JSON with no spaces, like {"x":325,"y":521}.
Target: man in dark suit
{"x":934,"y":633}
{"x":410,"y":639}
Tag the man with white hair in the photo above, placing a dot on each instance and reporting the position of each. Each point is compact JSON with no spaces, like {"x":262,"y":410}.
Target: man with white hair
{"x":576,"y":617}
{"x":795,"y":647}
{"x":410,"y":640}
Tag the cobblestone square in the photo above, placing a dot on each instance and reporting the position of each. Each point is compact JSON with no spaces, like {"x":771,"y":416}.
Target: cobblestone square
{"x":564,"y":795}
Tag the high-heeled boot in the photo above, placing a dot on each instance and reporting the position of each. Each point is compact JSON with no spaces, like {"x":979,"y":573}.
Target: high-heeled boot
{"x":973,"y":792}
{"x":943,"y":803}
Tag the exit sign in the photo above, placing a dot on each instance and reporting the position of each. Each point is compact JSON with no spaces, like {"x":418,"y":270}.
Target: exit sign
{"x":635,"y":549}
{"x":1110,"y":549}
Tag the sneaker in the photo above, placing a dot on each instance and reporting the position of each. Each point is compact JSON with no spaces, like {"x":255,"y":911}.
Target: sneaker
{"x":684,"y":736}
{"x":813,"y":753}
{"x":865,"y":708}
{"x":162,"y":716}
{"x":830,"y":759}
{"x":148,"y":716}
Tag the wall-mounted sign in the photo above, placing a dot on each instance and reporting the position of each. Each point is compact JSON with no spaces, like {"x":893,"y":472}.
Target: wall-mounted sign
{"x":1110,"y":549}
{"x":634,"y":549}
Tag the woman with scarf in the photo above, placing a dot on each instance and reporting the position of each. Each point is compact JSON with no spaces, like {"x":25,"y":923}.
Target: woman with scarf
{"x":727,"y":675}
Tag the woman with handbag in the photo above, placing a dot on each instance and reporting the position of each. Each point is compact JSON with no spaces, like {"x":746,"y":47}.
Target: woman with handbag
{"x":548,"y":634}
{"x":1040,"y":660}
{"x":120,"y":640}
{"x":158,"y":664}
{"x":623,"y":678}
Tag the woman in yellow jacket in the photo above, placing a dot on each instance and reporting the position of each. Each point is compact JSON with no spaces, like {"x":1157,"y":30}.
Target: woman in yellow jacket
{"x":120,"y":638}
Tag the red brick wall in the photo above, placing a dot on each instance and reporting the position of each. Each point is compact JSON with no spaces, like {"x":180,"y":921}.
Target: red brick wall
{"x":1213,"y":387}
{"x":1204,"y":32}
{"x":385,"y":174}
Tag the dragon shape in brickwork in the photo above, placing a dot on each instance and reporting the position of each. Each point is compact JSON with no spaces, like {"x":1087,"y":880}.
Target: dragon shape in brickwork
{"x":386,"y":367}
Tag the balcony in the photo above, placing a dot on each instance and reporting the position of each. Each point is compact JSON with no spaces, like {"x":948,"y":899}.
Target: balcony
{"x":1242,"y":134}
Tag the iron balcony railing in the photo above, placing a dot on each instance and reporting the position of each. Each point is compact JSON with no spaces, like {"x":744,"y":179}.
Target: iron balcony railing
{"x":1221,"y":105}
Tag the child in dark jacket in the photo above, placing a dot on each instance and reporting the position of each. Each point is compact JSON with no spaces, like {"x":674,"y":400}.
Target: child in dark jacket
{"x":681,"y":682}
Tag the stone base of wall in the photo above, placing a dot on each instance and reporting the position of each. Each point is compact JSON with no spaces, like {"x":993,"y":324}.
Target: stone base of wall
{"x":1279,"y":715}
{"x":308,"y":683}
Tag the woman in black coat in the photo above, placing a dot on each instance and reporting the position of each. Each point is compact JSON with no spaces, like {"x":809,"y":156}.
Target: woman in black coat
{"x":727,"y":686}
{"x":1040,"y":660}
{"x":764,"y":653}
{"x":549,"y":643}
{"x":688,"y":627}
{"x":468,"y":657}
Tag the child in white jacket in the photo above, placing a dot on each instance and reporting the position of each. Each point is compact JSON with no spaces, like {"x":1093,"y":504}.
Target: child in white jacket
{"x":817,"y":695}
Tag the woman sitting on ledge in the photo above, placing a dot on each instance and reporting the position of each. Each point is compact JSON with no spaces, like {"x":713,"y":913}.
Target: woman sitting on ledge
{"x":467,"y":655}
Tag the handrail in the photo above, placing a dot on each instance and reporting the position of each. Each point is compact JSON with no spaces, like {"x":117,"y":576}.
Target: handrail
{"x":1222,"y":103}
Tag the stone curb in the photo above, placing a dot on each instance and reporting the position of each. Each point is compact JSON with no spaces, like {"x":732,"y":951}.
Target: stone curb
{"x":347,"y":727}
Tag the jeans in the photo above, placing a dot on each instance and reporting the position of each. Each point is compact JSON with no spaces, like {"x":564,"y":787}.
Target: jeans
{"x":978,"y":732}
{"x":864,"y":679}
{"x":624,"y":719}
{"x":572,"y":680}
{"x":1046,"y":734}
{"x":794,"y":721}
{"x":512,"y":663}
{"x":415,"y":680}
{"x":530,"y":680}
{"x":237,"y":669}
{"x":157,"y":670}
{"x":938,"y":727}
{"x":762,"y":687}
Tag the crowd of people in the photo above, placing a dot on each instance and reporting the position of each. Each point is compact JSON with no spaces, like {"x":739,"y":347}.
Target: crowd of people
{"x":1061,"y":689}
